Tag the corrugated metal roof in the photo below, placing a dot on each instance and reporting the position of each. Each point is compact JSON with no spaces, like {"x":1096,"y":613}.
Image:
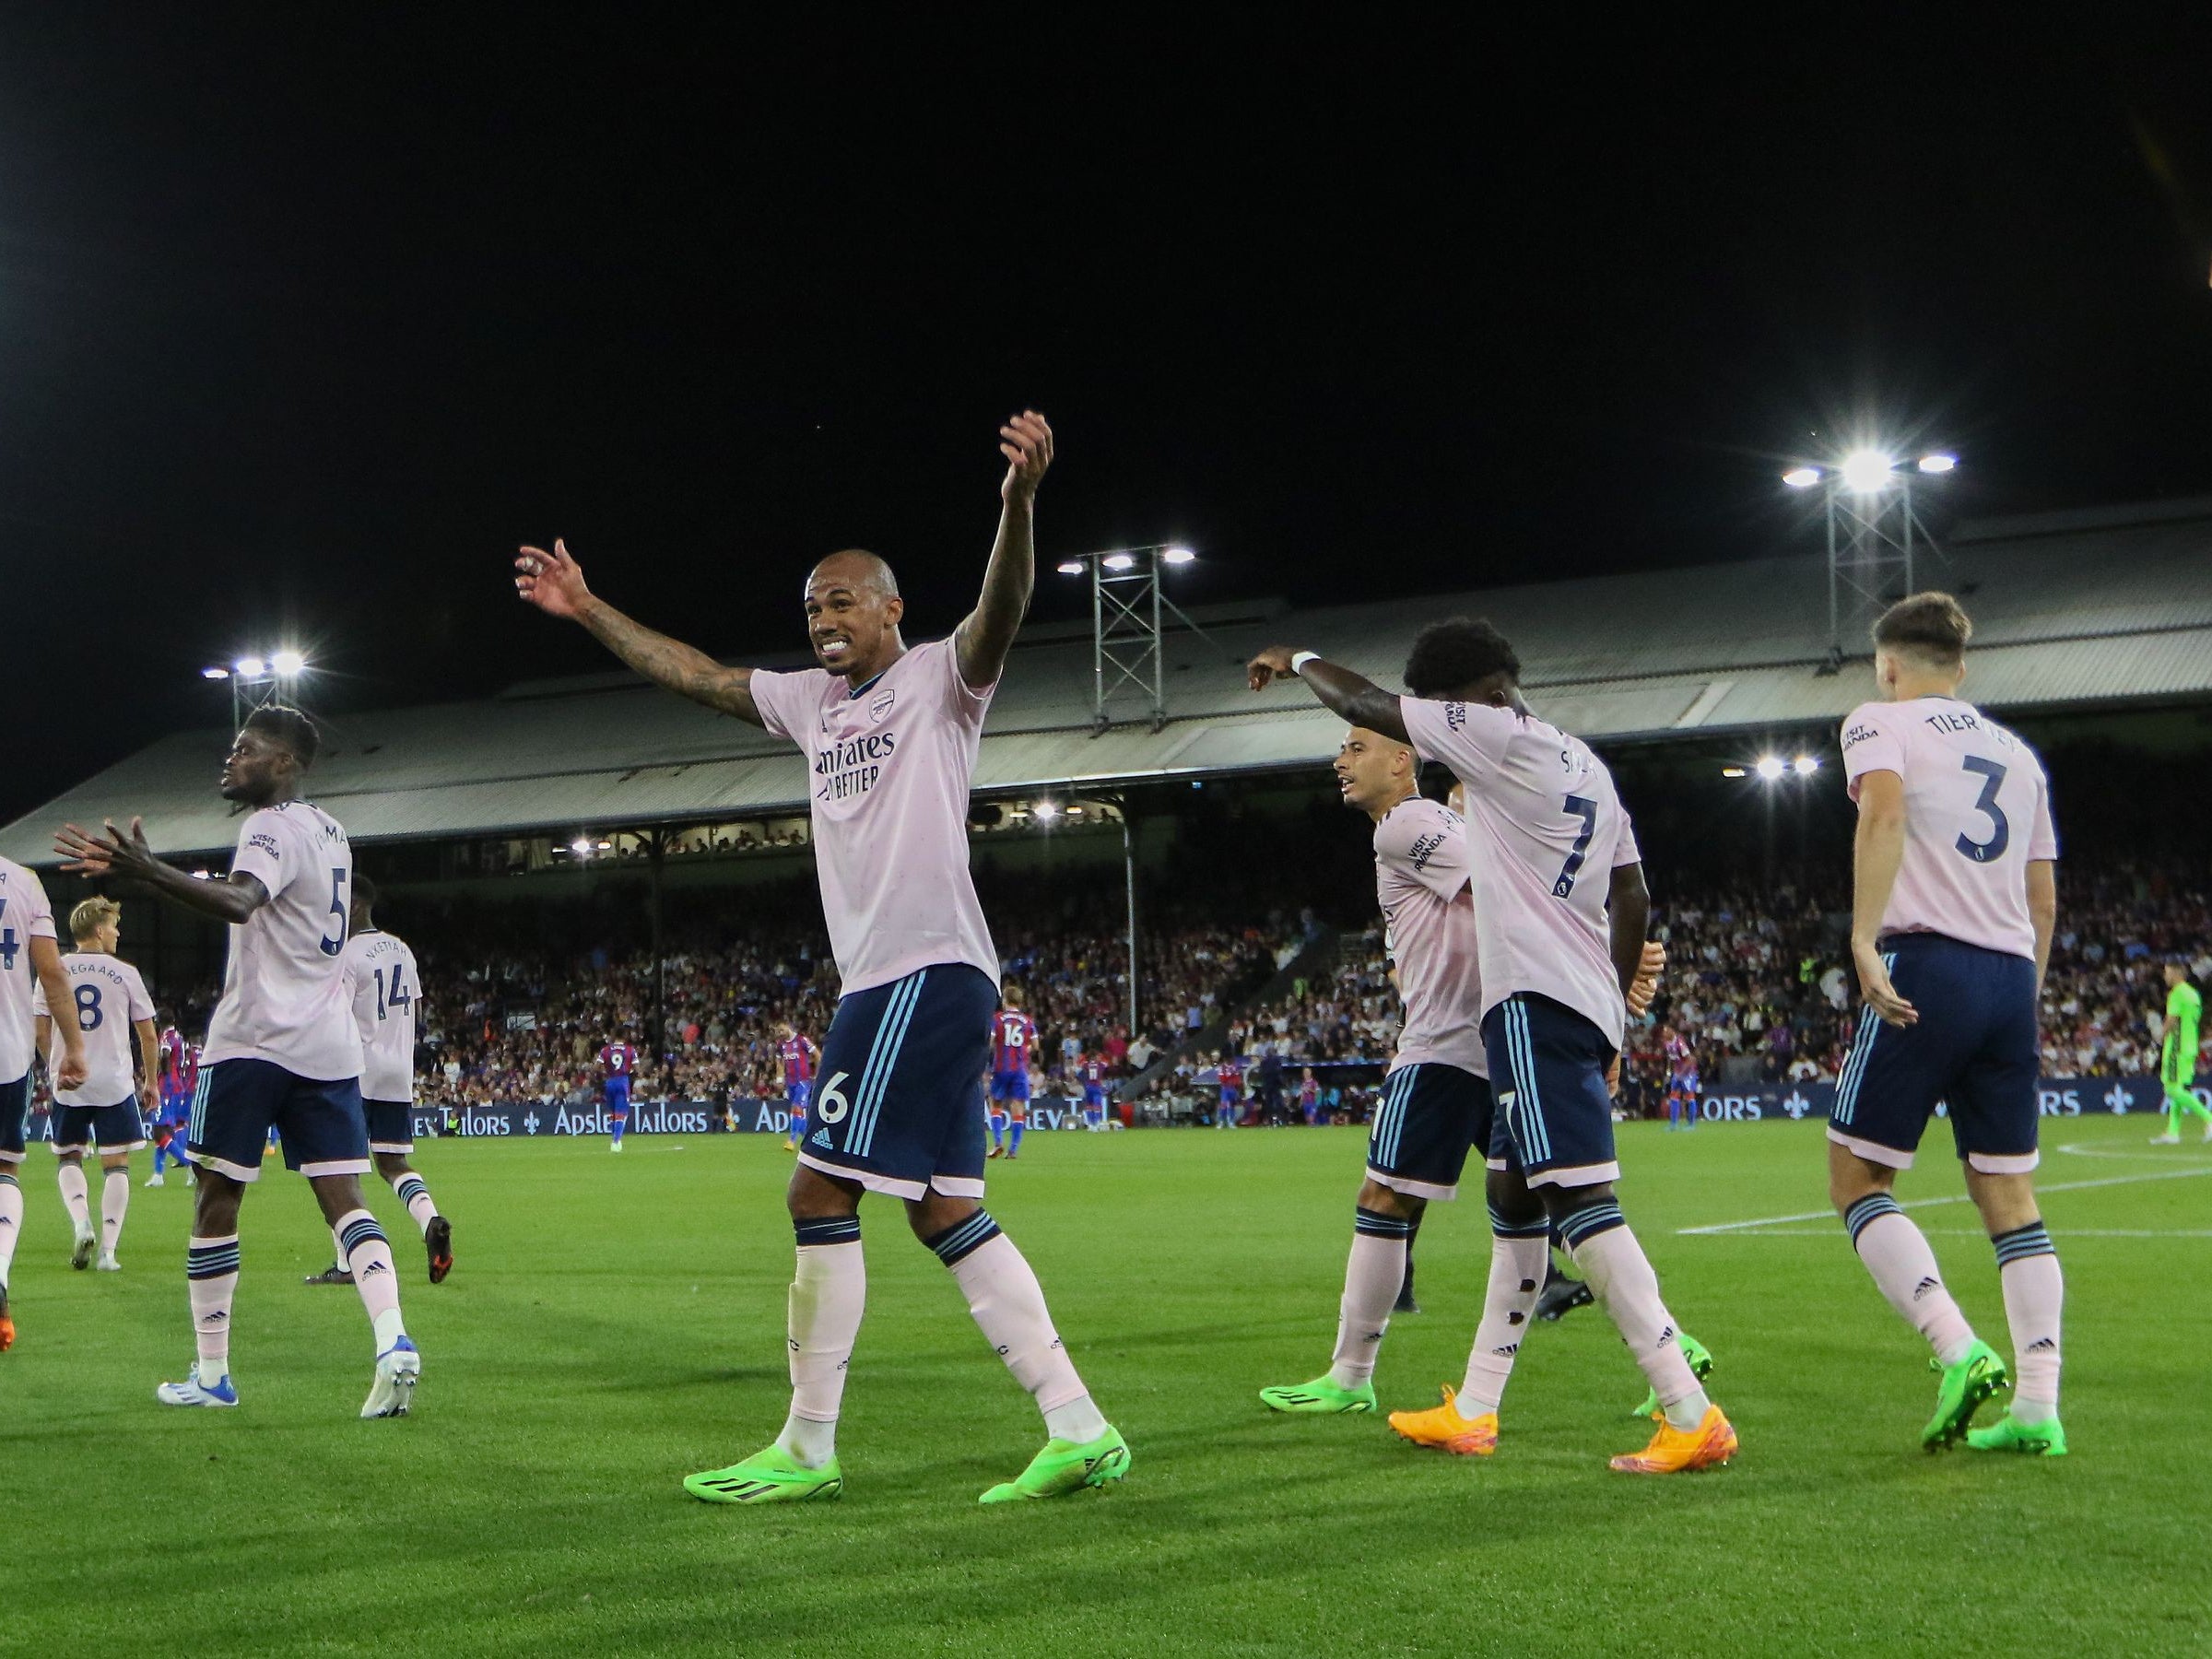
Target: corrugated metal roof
{"x":1714,"y":647}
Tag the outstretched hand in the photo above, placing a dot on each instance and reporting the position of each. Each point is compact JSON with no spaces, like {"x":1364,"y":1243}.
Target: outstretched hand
{"x":1026,"y":441}
{"x":1271,"y":665}
{"x":112,"y":854}
{"x":553,"y":581}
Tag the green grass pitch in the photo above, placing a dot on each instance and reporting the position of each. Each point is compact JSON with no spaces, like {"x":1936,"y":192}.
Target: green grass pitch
{"x":615,"y":1323}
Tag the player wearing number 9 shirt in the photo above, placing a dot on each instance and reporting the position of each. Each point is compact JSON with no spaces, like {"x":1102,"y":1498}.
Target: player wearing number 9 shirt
{"x":1954,"y":898}
{"x":1558,"y":884}
{"x":282,"y":1047}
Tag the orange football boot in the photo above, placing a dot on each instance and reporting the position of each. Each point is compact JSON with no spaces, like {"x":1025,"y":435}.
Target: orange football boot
{"x":1443,"y":1427}
{"x":1676,"y":1451}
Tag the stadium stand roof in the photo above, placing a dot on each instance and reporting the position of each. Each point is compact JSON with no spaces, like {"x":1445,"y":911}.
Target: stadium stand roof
{"x":2112,"y":607}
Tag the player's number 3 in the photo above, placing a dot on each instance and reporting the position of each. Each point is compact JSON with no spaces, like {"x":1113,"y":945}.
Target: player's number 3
{"x":830,"y":1105}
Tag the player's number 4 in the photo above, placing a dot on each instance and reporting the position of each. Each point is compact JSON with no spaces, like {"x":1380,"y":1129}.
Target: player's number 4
{"x":830,"y":1105}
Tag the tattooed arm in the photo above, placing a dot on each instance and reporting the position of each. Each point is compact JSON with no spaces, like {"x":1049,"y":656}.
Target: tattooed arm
{"x":554,"y":582}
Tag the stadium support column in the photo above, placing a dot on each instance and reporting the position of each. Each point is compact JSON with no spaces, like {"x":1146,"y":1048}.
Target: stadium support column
{"x":656,"y":846}
{"x":1874,"y":537}
{"x":1129,"y":875}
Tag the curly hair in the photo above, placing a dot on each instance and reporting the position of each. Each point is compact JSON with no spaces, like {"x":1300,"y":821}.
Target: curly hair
{"x":1457,"y":652}
{"x":289,"y":727}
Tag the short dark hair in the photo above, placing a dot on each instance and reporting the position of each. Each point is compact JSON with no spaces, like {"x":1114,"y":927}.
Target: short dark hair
{"x":287,"y":726}
{"x":1456,"y":652}
{"x":364,"y":889}
{"x":1931,"y":625}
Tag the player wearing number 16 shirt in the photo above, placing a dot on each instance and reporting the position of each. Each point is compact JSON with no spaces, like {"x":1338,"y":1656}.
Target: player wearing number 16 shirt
{"x":890,"y":735}
{"x":282,"y":1047}
{"x":1558,"y":885}
{"x":383,"y":986}
{"x":1954,"y":899}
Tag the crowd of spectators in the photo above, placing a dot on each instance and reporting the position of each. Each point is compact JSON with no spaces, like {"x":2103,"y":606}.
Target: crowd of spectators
{"x":517,"y":1000}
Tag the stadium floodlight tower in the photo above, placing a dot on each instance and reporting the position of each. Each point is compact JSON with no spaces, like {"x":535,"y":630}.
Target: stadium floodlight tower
{"x":255,"y":679}
{"x":1127,"y":601}
{"x":1873,"y":533}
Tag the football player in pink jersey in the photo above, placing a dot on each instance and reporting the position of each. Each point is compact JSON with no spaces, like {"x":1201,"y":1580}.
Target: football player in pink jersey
{"x":890,"y":735}
{"x":31,"y":962}
{"x":1559,"y":886}
{"x":283,"y":1052}
{"x":1954,"y":899}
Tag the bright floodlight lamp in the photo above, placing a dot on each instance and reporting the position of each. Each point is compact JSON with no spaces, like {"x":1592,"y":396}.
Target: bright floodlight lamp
{"x":1732,"y":772}
{"x":1938,"y":463}
{"x":581,"y":847}
{"x":1177,"y":556}
{"x":1804,"y":766}
{"x":251,"y":667}
{"x":1802,"y":477}
{"x":1120,"y":561}
{"x":1770,"y":767}
{"x":212,"y":673}
{"x":1866,"y":471}
{"x":1070,"y":567}
{"x":1046,"y":811}
{"x":287,"y":663}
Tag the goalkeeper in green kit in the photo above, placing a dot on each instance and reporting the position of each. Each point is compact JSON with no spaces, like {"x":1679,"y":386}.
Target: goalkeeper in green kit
{"x":2177,"y":1060}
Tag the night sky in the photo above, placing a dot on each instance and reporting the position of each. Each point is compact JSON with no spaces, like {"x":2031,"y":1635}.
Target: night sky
{"x":306,"y":321}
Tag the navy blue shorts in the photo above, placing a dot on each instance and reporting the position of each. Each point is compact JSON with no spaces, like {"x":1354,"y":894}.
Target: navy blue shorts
{"x":1975,"y":1048}
{"x":1010,"y":1086}
{"x":1556,"y":1109}
{"x":900,"y":1106}
{"x":240,"y":1101}
{"x":1432,"y":1113}
{"x":115,"y":1128}
{"x":617,"y":1097}
{"x":390,"y":1124}
{"x":15,"y":1116}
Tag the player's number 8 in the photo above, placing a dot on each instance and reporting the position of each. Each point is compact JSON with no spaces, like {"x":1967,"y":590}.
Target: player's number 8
{"x":830,"y":1105}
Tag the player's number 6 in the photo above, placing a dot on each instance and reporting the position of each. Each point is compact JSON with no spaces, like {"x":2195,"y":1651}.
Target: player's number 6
{"x":830,"y":1106}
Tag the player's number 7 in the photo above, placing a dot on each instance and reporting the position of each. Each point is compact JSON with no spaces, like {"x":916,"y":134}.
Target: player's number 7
{"x":1587,"y":812}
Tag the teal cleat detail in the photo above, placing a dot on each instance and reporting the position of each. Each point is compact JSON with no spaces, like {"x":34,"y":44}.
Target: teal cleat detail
{"x":1320,"y":1398}
{"x":772,"y":1476}
{"x":1064,"y":1467}
{"x":1964,"y":1386}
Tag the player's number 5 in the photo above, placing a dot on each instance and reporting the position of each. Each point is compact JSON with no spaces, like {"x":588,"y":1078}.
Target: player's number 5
{"x":830,"y":1105}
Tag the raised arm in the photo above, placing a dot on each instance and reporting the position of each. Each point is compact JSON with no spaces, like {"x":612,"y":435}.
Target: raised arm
{"x":1355,"y":698}
{"x":554,"y":582}
{"x":986,"y":634}
{"x":231,"y":899}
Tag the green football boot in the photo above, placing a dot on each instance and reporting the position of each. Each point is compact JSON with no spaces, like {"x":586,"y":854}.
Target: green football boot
{"x":770,"y":1476}
{"x":1321,"y":1396}
{"x":2045,"y":1439}
{"x":1700,"y":1367}
{"x":1064,"y":1467}
{"x":1964,"y":1386}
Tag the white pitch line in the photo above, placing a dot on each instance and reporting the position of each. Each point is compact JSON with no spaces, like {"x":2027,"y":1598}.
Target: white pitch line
{"x":2063,"y":1186}
{"x":1975,"y":1232}
{"x":2081,"y":1151}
